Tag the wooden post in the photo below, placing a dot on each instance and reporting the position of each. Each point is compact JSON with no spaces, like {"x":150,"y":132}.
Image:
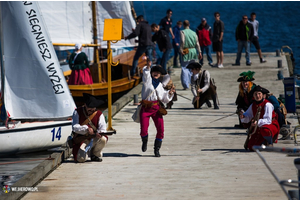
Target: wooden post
{"x":96,"y":52}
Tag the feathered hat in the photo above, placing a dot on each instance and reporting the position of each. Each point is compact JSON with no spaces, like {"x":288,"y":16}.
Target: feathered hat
{"x":246,"y":76}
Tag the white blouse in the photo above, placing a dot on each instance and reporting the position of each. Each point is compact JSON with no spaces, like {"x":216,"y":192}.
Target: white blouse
{"x":148,"y":88}
{"x":267,"y":118}
{"x":82,"y":130}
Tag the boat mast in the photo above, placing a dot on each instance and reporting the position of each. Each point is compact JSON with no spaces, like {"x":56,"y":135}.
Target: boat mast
{"x":96,"y":52}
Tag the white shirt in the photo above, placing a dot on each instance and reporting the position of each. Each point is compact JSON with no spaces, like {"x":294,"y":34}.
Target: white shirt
{"x":147,"y":89}
{"x":267,"y":118}
{"x":255,"y":25}
{"x":82,"y":130}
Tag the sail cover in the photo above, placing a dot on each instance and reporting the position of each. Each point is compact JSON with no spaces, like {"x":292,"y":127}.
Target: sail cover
{"x":34,"y":86}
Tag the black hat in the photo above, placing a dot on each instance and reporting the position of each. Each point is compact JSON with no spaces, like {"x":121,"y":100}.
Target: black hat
{"x":246,"y":76}
{"x":259,"y":89}
{"x":194,"y":65}
{"x":92,"y":101}
{"x":158,"y":68}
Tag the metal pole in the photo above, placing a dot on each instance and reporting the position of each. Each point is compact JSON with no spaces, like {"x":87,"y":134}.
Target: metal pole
{"x":109,"y":101}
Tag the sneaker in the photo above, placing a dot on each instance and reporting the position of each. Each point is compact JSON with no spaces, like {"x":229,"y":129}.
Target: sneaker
{"x":248,"y":64}
{"x":220,"y":66}
{"x":216,"y":65}
{"x":262,"y":60}
{"x":211,"y":64}
{"x":216,"y":107}
{"x":236,"y":64}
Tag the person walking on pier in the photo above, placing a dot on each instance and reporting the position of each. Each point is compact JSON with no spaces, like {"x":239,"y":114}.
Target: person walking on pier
{"x":217,"y":39}
{"x":163,"y":41}
{"x":152,"y":93}
{"x":264,"y":127}
{"x":204,"y":33}
{"x":143,"y":31}
{"x":176,"y":44}
{"x":243,"y":35}
{"x":201,"y":86}
{"x":254,"y":41}
{"x":87,"y":125}
{"x":190,"y":50}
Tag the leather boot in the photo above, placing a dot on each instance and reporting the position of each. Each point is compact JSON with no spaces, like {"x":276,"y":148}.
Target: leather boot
{"x":157,"y":145}
{"x":144,"y":145}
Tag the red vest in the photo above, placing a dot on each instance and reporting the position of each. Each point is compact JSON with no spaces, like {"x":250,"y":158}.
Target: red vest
{"x":203,"y":36}
{"x":82,"y":117}
{"x":262,"y":111}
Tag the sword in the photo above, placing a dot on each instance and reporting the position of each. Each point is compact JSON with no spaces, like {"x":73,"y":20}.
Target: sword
{"x":224,"y":117}
{"x":184,"y":97}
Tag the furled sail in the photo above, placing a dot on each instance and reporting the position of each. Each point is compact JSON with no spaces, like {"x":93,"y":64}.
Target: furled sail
{"x":34,"y":86}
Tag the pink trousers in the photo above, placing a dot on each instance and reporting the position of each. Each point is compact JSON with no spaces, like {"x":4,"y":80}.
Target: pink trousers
{"x":146,"y":113}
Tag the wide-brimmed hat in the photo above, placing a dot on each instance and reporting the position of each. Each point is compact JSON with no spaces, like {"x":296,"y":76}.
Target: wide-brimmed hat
{"x":194,"y":65}
{"x":92,"y":101}
{"x":246,"y":76}
{"x":258,"y":88}
{"x":158,"y":68}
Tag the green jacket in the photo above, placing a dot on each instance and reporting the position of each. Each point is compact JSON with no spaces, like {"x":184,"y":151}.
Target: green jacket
{"x":81,"y":62}
{"x":190,"y":42}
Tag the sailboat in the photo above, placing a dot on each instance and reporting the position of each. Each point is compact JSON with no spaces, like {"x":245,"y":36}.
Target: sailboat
{"x":36,"y":102}
{"x":83,"y":22}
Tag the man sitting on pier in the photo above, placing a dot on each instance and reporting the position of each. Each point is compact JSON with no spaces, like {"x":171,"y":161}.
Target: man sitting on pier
{"x":264,"y":127}
{"x":201,"y":86}
{"x":87,"y":125}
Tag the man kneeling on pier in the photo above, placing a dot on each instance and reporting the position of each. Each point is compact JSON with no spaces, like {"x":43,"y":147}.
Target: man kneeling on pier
{"x":201,"y":86}
{"x":264,"y":127}
{"x":87,"y":125}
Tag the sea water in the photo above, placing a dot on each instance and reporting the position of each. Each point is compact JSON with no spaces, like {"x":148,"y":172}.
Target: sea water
{"x":278,"y":20}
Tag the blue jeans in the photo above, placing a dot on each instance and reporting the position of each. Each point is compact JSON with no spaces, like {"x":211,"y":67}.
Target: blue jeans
{"x":176,"y":54}
{"x":207,"y":50}
{"x":241,"y":45}
{"x":140,"y":50}
{"x":165,"y":58}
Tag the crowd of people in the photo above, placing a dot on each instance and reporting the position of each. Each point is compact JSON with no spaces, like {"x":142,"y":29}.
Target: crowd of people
{"x":257,"y":109}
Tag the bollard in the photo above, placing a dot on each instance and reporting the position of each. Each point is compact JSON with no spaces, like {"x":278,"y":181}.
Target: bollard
{"x":279,"y":63}
{"x":279,"y":75}
{"x":135,"y":99}
{"x":277,"y":52}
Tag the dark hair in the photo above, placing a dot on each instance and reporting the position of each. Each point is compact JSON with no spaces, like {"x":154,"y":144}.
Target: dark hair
{"x":216,"y":13}
{"x":153,"y":25}
{"x":244,"y":16}
{"x":140,"y":17}
{"x":253,"y":13}
{"x":179,"y":23}
{"x":169,"y":10}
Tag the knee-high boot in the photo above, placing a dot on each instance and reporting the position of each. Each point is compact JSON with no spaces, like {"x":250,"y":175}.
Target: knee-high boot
{"x":157,"y":145}
{"x":144,"y":145}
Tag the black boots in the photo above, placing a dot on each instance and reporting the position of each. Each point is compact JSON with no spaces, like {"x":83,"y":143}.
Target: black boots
{"x":157,"y":145}
{"x":144,"y":145}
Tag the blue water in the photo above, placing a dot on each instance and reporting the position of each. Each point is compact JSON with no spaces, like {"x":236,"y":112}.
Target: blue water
{"x":278,"y":20}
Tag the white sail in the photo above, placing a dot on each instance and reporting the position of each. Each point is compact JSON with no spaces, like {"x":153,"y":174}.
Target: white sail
{"x":68,"y":21}
{"x":71,"y":21}
{"x":115,"y":10}
{"x":34,"y":85}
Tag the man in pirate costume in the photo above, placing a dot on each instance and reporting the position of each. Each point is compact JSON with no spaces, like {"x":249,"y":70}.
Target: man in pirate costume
{"x":87,"y":125}
{"x":201,"y":86}
{"x":267,"y":127}
{"x":244,"y":100}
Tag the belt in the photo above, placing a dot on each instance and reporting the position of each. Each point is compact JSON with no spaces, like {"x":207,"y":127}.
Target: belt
{"x":157,"y":103}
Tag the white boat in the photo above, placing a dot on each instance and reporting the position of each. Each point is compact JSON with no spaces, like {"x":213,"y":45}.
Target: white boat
{"x":36,"y":98}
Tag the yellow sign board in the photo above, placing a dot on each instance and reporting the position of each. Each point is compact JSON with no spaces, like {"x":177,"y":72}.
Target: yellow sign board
{"x":113,"y":29}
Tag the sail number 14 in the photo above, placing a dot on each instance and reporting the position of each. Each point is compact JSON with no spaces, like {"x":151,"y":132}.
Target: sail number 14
{"x":57,"y":134}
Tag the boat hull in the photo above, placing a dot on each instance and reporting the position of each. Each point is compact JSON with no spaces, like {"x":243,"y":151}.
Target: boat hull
{"x":36,"y":136}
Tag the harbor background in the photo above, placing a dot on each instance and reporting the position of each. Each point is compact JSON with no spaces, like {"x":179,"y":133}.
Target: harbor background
{"x":277,"y":24}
